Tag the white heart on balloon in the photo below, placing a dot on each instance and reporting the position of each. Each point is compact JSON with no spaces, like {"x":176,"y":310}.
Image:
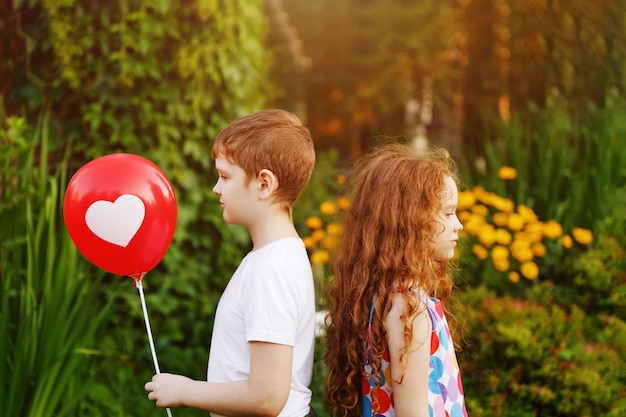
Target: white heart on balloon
{"x":116,"y":222}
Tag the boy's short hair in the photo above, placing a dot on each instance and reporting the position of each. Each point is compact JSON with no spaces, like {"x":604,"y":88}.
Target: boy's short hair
{"x":270,"y":139}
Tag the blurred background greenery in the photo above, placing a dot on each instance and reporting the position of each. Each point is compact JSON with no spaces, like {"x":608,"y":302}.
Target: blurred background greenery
{"x":529,"y":96}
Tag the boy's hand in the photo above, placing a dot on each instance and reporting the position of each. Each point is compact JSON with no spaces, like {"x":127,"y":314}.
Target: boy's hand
{"x":167,"y":390}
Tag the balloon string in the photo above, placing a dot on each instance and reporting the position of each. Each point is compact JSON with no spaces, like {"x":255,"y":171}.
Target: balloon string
{"x":148,"y":329}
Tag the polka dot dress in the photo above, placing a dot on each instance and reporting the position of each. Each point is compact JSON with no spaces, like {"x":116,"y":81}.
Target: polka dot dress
{"x":445,"y":389}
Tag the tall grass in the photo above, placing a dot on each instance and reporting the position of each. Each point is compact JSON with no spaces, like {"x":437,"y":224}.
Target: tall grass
{"x":49,"y":311}
{"x":568,"y":167}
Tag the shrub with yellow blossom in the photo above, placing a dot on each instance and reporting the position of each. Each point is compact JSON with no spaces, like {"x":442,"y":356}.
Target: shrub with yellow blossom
{"x":505,"y":240}
{"x":322,"y":235}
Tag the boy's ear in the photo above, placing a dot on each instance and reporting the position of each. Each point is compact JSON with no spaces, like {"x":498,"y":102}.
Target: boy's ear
{"x":268,"y":183}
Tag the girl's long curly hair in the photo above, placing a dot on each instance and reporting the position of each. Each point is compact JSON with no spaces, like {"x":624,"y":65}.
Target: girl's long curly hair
{"x":388,"y":230}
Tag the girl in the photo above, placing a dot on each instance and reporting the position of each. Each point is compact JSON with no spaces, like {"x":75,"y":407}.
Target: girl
{"x":389,"y":349}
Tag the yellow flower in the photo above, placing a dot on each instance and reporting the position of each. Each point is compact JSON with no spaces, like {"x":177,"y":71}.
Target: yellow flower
{"x":516,"y":222}
{"x":464,"y":215}
{"x":318,"y":235}
{"x":582,"y":236}
{"x":487,"y":235}
{"x":501,"y":219}
{"x":485,"y":197}
{"x":513,"y":276}
{"x":507,"y":173}
{"x":507,"y":206}
{"x":478,"y":192}
{"x":328,"y":208}
{"x":499,"y":252}
{"x":539,"y":249}
{"x":503,"y":204}
{"x":320,"y":257}
{"x":502,"y":264}
{"x":330,"y":242}
{"x":474,"y":224}
{"x":341,"y":179}
{"x":466,"y":200}
{"x":343,"y":203}
{"x":566,"y":241}
{"x":552,"y":229}
{"x":529,"y":270}
{"x":314,"y":222}
{"x":533,"y":232}
{"x":503,"y":237}
{"x":527,"y":214}
{"x":480,"y":252}
{"x":309,"y":242}
{"x":480,"y":210}
{"x":523,"y":254}
{"x":521,"y":250}
{"x":334,"y":229}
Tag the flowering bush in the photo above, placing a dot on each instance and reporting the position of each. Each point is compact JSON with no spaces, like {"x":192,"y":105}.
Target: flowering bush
{"x":537,"y":357}
{"x":502,"y":240}
{"x":554,"y":348}
{"x":322,"y":237}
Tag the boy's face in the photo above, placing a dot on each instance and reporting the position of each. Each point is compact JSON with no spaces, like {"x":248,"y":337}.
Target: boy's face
{"x":236,"y":197}
{"x":448,"y":224}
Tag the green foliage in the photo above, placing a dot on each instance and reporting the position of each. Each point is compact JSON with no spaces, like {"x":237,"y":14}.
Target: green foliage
{"x":50,"y":316}
{"x":159,"y":79}
{"x":559,"y":348}
{"x":599,"y":284}
{"x":321,"y":192}
{"x":555,"y":348}
{"x":318,"y":382}
{"x":539,"y":357}
{"x":322,"y":187}
{"x":560,"y":161}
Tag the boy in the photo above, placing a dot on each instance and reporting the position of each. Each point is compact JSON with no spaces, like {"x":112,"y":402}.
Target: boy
{"x":261,"y":355}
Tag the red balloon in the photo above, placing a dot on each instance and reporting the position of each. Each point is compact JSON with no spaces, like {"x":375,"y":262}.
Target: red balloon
{"x":120,"y":211}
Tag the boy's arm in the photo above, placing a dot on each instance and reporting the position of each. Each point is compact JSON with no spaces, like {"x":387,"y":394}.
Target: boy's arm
{"x":265,"y":393}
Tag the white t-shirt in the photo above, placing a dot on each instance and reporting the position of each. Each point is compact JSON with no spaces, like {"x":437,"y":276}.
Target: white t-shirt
{"x":270,"y":298}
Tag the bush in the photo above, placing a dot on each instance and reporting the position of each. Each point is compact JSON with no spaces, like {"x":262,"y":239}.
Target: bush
{"x":599,"y":274}
{"x":537,"y":357}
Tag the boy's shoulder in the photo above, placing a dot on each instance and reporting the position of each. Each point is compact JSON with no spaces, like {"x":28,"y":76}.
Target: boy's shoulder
{"x":283,"y":247}
{"x":286,"y":253}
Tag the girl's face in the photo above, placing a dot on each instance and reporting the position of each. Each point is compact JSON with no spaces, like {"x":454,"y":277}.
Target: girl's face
{"x":448,"y":224}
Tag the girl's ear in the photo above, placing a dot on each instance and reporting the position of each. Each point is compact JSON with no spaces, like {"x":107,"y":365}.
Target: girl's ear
{"x":268,"y":183}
